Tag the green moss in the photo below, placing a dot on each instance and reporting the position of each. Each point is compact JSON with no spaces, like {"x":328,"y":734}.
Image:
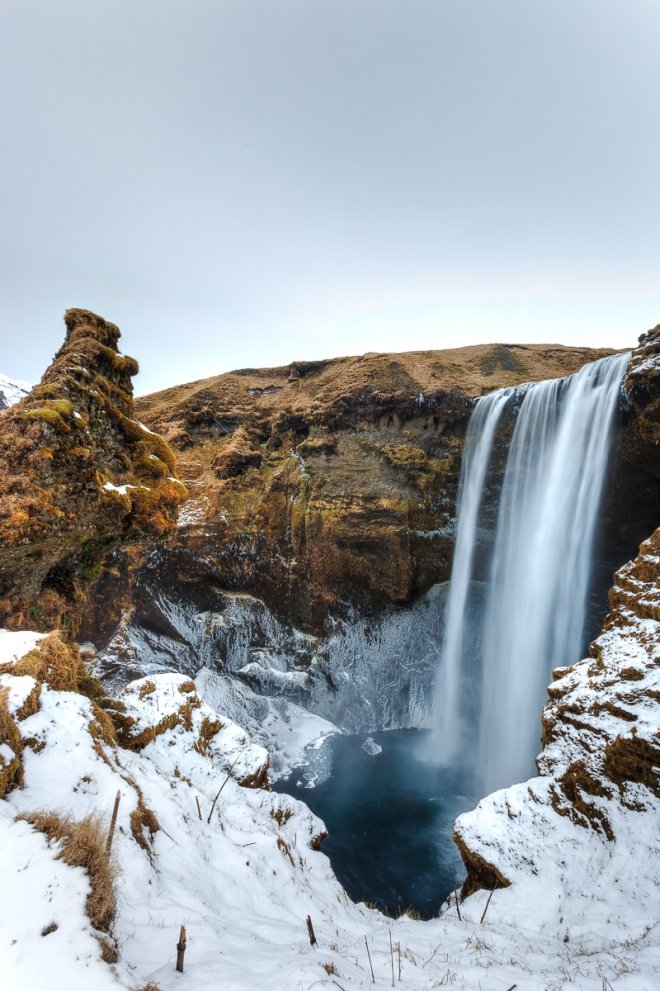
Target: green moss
{"x":63,"y":406}
{"x":46,"y":414}
{"x":146,"y":463}
{"x":91,"y":555}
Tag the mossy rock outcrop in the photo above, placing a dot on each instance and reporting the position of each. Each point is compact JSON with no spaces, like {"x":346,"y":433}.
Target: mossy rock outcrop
{"x":78,"y":476}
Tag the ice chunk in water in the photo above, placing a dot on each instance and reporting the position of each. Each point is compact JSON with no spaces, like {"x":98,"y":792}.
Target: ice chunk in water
{"x":371,"y":747}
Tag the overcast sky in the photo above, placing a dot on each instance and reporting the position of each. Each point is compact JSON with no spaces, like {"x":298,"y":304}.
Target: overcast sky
{"x":251,"y":182}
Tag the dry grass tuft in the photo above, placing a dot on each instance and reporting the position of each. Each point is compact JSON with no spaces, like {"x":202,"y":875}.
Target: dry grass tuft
{"x":31,"y":705}
{"x":151,"y":986}
{"x":148,"y":688}
{"x":101,"y":727}
{"x":109,"y":952}
{"x":144,"y":819}
{"x":207,"y":731}
{"x":11,"y":772}
{"x":84,"y":845}
{"x":286,"y":850}
{"x":53,"y":661}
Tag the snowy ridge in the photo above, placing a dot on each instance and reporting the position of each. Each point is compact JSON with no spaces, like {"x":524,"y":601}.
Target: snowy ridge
{"x":242,"y":883}
{"x":12,"y":391}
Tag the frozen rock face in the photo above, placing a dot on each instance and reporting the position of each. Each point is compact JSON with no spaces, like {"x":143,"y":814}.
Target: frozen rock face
{"x":367,"y":675}
{"x":283,"y":728}
{"x":581,"y":841}
{"x":12,"y":391}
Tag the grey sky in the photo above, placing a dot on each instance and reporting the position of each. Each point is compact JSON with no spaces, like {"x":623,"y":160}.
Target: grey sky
{"x":255,"y":181}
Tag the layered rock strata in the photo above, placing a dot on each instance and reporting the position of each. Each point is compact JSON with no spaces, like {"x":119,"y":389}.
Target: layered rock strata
{"x":79,"y":475}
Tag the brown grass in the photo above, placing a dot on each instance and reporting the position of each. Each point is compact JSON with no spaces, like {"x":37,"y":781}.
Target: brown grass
{"x":102,"y":727}
{"x":31,"y":705}
{"x":143,"y":818}
{"x":11,"y":775}
{"x":53,"y":661}
{"x":84,"y":845}
{"x":207,"y":731}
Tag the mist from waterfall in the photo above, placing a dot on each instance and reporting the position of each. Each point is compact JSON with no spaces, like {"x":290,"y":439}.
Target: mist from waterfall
{"x":488,"y":706}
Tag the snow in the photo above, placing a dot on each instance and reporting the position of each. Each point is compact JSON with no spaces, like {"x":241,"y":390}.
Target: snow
{"x":244,"y":882}
{"x":13,"y":646}
{"x":12,"y":391}
{"x":122,"y":489}
{"x":6,"y":755}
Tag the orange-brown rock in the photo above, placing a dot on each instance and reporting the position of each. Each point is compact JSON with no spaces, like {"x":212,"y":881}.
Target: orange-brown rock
{"x":79,"y":475}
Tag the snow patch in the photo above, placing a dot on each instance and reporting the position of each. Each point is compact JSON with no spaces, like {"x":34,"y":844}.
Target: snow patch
{"x":12,"y":391}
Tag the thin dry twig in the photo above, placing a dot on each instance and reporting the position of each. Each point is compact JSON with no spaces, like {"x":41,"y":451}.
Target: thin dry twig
{"x":486,"y":908}
{"x":221,"y":787}
{"x":373,"y":979}
{"x":113,"y":822}
{"x":458,"y":907}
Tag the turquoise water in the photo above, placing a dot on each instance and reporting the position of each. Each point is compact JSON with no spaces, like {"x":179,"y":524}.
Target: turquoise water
{"x":389,"y":818}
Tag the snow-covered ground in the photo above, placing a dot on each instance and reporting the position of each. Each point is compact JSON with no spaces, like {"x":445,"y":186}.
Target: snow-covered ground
{"x":12,"y":390}
{"x":244,"y":882}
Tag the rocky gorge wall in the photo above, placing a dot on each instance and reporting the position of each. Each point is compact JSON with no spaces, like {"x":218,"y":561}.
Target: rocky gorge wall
{"x":311,"y":557}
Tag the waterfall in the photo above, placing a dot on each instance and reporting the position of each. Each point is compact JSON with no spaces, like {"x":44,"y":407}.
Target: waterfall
{"x":534,"y":614}
{"x":474,"y":465}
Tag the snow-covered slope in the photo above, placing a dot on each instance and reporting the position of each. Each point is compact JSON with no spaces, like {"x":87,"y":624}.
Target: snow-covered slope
{"x":243,"y":877}
{"x":11,"y":391}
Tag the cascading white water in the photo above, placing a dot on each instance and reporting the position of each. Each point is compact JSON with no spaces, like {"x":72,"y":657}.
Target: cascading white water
{"x":474,"y":465}
{"x":536,"y":603}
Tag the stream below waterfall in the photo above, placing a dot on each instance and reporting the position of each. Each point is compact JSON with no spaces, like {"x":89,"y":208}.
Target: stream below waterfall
{"x":389,"y":817}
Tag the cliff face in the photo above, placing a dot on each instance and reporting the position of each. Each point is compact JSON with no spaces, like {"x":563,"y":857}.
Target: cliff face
{"x":78,"y":476}
{"x":323,"y":488}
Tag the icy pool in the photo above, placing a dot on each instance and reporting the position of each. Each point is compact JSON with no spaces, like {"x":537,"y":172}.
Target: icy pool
{"x":389,"y":815}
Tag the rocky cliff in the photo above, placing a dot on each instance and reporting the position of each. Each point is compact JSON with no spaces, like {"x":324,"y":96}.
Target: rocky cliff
{"x":325,"y":489}
{"x":78,"y":476}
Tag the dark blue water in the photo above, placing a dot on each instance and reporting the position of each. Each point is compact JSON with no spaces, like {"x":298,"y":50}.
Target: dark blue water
{"x":389,"y":818}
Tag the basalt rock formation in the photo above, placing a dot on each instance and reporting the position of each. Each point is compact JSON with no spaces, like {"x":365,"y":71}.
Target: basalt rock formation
{"x":325,"y":489}
{"x":79,"y":475}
